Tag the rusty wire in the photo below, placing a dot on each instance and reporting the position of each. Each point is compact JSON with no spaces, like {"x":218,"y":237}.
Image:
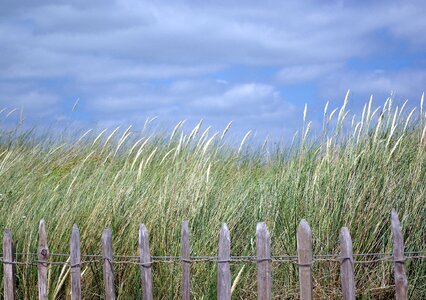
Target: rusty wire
{"x":135,"y":260}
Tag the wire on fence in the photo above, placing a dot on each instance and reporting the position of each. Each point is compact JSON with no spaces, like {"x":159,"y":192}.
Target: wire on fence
{"x":134,"y":260}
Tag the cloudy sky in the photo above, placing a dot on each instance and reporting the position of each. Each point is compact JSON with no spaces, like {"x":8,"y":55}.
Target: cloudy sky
{"x":254,"y":62}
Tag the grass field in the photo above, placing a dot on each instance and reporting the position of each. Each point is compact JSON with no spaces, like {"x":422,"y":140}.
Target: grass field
{"x":352,"y":174}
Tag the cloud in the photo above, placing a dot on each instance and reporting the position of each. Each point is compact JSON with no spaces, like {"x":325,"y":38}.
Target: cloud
{"x":304,"y":73}
{"x":405,"y":83}
{"x":130,"y":59}
{"x":242,"y":99}
{"x":32,"y":100}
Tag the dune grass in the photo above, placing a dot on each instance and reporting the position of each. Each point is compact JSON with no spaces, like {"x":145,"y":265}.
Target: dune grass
{"x":352,"y":174}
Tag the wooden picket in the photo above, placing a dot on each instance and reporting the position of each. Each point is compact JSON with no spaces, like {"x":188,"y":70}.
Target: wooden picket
{"x":186,"y":279}
{"x":223,"y":268}
{"x":401,"y":282}
{"x":8,"y":267}
{"x":145,"y":260}
{"x":43,"y":256}
{"x":263,"y":261}
{"x":263,"y":252}
{"x":75,"y":260}
{"x":304,"y":252}
{"x":347,"y":265}
{"x":108,"y":270}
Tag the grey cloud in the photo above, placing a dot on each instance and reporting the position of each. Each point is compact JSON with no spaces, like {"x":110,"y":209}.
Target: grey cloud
{"x":404,"y":82}
{"x":126,"y":37}
{"x":303,"y":73}
{"x":35,"y":101}
{"x":143,"y":58}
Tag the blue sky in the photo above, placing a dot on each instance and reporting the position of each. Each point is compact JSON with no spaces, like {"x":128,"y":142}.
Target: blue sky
{"x":253,"y":62}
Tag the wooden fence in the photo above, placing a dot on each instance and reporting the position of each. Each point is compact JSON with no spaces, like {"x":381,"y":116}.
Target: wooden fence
{"x":263,"y":259}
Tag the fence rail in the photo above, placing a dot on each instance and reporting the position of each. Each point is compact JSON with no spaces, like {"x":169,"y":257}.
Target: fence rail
{"x":263,"y":259}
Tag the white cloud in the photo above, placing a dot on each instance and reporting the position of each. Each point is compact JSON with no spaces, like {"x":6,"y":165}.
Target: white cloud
{"x":129,"y":59}
{"x":408,"y":83}
{"x":33,"y":101}
{"x":304,"y":73}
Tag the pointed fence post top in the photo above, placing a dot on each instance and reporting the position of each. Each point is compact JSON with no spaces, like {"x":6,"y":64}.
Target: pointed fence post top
{"x":398,"y":239}
{"x":106,"y":236}
{"x":7,"y":235}
{"x":143,"y":232}
{"x":345,"y":238}
{"x":107,"y":232}
{"x":42,"y":227}
{"x":344,"y":231}
{"x":42,"y":235}
{"x":261,"y":229}
{"x":224,"y":242}
{"x":185,"y":227}
{"x":43,"y":248}
{"x":75,"y":230}
{"x":144,"y":243}
{"x":395,"y":219}
{"x":304,"y":228}
{"x":224,"y":232}
{"x":75,"y":238}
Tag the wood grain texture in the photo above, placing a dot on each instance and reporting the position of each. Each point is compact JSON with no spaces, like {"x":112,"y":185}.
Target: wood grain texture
{"x":186,"y":265}
{"x":347,"y":265}
{"x":304,"y":252}
{"x":223,"y":267}
{"x":43,"y":257}
{"x":108,"y":270}
{"x":8,"y":267}
{"x":263,"y":253}
{"x":145,"y":258}
{"x":401,"y":282}
{"x":75,"y":260}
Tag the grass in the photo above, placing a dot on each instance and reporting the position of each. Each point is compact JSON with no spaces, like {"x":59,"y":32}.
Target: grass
{"x":352,"y":174}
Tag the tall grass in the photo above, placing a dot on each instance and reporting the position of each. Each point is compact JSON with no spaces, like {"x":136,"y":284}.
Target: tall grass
{"x":352,"y":174}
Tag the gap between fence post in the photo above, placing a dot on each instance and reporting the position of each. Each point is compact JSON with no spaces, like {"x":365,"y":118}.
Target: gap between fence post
{"x":8,"y":267}
{"x":401,"y":282}
{"x":304,"y":251}
{"x":146,"y":265}
{"x":223,"y":267}
{"x":347,"y":265}
{"x":75,"y":261}
{"x":43,"y":257}
{"x":186,"y":279}
{"x":263,"y":249}
{"x":108,"y":270}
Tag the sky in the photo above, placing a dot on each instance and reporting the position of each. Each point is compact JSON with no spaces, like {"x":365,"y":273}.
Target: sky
{"x":256,"y":63}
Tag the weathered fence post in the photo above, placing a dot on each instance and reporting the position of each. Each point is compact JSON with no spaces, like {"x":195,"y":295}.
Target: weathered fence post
{"x":347,"y":265}
{"x":304,"y":251}
{"x":8,"y":266}
{"x":186,"y":282}
{"x":146,"y":264}
{"x":223,"y":268}
{"x":43,"y":256}
{"x":107,"y":264}
{"x":401,"y":282}
{"x":75,"y":260}
{"x":263,"y":249}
